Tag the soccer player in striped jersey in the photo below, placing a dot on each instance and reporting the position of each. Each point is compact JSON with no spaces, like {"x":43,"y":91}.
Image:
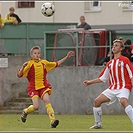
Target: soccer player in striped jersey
{"x":35,"y":71}
{"x":119,"y":73}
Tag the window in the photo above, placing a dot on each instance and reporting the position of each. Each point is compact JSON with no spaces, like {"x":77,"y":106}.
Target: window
{"x":26,"y":4}
{"x":92,"y":6}
{"x":95,"y":3}
{"x":127,"y":5}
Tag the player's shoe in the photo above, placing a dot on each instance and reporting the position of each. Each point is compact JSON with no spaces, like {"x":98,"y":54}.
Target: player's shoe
{"x":96,"y":127}
{"x":23,"y":116}
{"x":54,"y":123}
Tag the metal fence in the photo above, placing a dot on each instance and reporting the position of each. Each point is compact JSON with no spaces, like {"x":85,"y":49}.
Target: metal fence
{"x":58,"y":43}
{"x":20,"y":38}
{"x":56,"y":39}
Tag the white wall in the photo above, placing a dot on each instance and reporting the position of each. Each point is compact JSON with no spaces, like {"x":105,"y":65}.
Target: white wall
{"x":26,"y":14}
{"x":111,"y":13}
{"x":68,"y":11}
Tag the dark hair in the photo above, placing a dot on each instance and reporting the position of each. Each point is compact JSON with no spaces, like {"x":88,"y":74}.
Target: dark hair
{"x":128,"y":42}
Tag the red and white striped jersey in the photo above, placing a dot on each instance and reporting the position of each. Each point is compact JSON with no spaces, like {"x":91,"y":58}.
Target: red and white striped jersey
{"x":119,"y":72}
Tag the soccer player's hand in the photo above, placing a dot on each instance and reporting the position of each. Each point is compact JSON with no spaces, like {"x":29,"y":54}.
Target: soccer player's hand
{"x":25,"y":64}
{"x":71,"y":53}
{"x":86,"y":83}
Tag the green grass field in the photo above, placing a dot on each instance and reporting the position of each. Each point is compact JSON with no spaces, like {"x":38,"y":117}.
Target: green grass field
{"x":12,"y":122}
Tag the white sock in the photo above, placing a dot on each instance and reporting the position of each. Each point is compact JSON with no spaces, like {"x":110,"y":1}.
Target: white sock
{"x":129,"y":112}
{"x":97,"y":115}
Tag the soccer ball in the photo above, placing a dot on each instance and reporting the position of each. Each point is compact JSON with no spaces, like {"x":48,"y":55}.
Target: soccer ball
{"x":48,"y":9}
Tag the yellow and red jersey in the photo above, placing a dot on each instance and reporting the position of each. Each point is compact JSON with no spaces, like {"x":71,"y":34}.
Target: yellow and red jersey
{"x":36,"y":72}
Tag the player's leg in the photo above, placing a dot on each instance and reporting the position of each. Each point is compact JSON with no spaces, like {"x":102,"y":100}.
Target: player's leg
{"x":34,"y":107}
{"x":34,"y":95}
{"x":123,"y":98}
{"x":98,"y":111}
{"x":30,"y":109}
{"x":128,"y":108}
{"x":50,"y":110}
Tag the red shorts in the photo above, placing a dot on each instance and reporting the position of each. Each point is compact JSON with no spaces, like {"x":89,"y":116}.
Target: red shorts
{"x":38,"y":93}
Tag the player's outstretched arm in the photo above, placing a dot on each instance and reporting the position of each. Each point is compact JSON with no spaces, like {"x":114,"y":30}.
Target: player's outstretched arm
{"x":69,"y":54}
{"x":89,"y":82}
{"x":20,"y":73}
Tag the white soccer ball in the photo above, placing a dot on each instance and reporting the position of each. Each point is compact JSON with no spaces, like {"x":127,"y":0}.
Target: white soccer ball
{"x":47,"y":9}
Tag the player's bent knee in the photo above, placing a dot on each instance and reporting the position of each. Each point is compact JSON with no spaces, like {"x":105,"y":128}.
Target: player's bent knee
{"x":124,"y":102}
{"x":46,"y":101}
{"x":36,"y":107}
{"x":97,"y":103}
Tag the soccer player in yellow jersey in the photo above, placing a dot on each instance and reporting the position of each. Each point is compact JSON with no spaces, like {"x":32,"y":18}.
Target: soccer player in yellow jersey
{"x":35,"y":71}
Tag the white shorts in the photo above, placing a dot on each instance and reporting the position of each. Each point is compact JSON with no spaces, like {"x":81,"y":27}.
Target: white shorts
{"x":113,"y":95}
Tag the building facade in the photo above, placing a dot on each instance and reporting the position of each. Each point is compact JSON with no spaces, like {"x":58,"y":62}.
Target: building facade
{"x":96,"y":12}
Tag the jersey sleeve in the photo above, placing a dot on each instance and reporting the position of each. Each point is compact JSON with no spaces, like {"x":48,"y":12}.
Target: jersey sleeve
{"x":104,"y":75}
{"x":26,"y":70}
{"x":129,"y":68}
{"x":50,"y":65}
{"x":18,"y":19}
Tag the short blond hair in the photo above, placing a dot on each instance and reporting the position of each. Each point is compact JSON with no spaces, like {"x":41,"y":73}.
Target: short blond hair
{"x":33,"y":48}
{"x":120,"y":42}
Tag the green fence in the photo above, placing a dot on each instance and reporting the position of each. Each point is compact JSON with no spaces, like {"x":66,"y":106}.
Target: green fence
{"x":78,"y":40}
{"x":18,"y":39}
